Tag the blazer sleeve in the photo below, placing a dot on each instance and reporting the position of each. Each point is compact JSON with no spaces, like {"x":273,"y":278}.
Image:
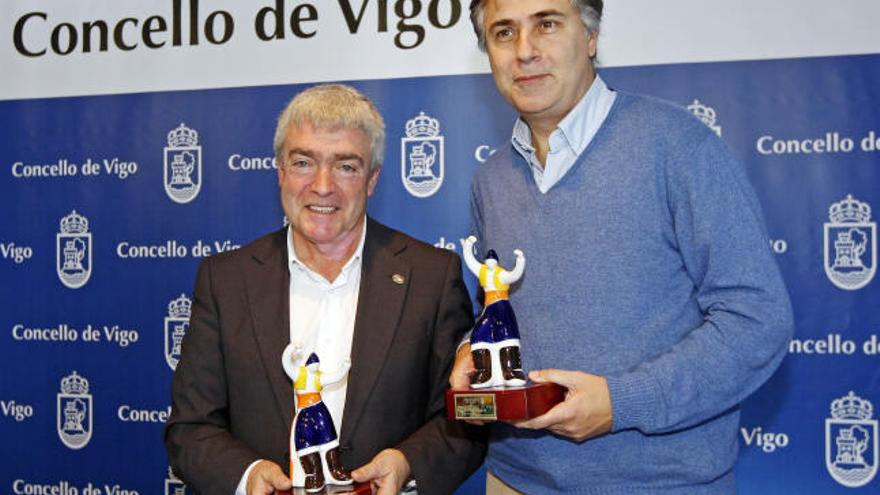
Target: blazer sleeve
{"x":202,"y":450}
{"x":443,"y":453}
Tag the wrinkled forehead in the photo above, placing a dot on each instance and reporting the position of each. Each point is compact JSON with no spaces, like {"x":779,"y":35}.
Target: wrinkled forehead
{"x":319,"y":132}
{"x":319,"y":139}
{"x":323,"y":127}
{"x":517,"y":11}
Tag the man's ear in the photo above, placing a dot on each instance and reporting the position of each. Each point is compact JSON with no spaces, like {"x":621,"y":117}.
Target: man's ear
{"x":373,"y":180}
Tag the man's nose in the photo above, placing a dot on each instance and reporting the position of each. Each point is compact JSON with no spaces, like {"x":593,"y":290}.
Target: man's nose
{"x":527,"y":48}
{"x":323,"y":182}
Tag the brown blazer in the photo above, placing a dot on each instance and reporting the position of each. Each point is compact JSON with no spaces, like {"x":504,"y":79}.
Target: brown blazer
{"x":232,"y":403}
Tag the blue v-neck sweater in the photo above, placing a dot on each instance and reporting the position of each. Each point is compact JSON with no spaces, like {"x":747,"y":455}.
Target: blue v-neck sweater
{"x":649,"y":264}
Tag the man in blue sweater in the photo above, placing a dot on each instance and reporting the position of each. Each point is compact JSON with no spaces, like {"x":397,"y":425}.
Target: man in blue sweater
{"x":652,"y":294}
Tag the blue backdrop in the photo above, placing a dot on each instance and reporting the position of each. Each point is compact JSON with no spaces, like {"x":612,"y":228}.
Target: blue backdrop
{"x":98,"y":257}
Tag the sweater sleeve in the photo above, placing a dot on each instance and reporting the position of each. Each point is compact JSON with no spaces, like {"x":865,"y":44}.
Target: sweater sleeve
{"x":476,"y":217}
{"x":747,"y":320}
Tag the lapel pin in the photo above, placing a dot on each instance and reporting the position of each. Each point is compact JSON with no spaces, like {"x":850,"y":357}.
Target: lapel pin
{"x":398,"y":279}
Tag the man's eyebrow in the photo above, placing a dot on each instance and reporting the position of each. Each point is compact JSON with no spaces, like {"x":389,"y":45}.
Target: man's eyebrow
{"x":537,"y":15}
{"x":336,"y":156}
{"x":548,"y":13}
{"x":501,"y":22}
{"x":348,"y":156}
{"x":299,"y":151}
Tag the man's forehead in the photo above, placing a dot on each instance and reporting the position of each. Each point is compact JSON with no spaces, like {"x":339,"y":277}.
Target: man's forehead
{"x":330,"y":144}
{"x":339,"y":133}
{"x":322,"y":128}
{"x":511,"y":10}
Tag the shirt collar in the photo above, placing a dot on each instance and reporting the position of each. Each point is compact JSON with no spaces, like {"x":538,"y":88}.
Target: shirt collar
{"x":294,"y":263}
{"x":574,"y":127}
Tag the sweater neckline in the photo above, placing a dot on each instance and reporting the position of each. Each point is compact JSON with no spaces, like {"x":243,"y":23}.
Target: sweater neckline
{"x":543,"y":198}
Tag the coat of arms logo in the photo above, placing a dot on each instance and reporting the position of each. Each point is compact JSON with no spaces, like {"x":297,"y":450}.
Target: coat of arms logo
{"x":183,"y":164}
{"x":176,"y":325}
{"x":73,"y":251}
{"x":850,"y":244}
{"x":851,"y":441}
{"x":74,"y":412}
{"x":706,"y":114}
{"x":421,"y":156}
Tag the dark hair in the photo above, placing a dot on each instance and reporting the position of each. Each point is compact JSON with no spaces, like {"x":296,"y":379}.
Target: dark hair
{"x":590,"y":11}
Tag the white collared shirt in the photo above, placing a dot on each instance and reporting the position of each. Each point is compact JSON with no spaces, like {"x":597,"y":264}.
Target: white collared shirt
{"x":569,"y":139}
{"x":322,"y":315}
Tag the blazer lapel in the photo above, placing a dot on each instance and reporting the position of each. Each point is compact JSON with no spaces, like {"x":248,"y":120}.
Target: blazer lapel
{"x":268,"y":286}
{"x":384,"y":283}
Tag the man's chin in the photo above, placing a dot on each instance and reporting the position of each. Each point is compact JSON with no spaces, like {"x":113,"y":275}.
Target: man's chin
{"x":532,"y":105}
{"x":322,"y":237}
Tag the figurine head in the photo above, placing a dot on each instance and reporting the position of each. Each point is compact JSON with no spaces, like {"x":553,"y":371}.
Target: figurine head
{"x":491,"y":258}
{"x":312,"y":363}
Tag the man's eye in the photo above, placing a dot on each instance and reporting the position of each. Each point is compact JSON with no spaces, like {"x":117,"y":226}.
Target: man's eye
{"x":300,"y":166}
{"x":347,"y":168}
{"x":504,"y":34}
{"x":548,"y":25}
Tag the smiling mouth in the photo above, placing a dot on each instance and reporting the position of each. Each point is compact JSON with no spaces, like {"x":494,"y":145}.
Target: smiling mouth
{"x":324,"y":210}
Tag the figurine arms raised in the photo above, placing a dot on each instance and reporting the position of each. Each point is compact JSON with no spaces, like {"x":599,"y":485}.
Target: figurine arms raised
{"x":509,"y":277}
{"x":467,"y":249}
{"x":338,"y":374}
{"x":506,"y":277}
{"x":291,"y":359}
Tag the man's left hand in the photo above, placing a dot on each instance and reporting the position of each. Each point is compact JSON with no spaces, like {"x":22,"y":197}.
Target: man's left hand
{"x":387,"y":472}
{"x":585,"y":412}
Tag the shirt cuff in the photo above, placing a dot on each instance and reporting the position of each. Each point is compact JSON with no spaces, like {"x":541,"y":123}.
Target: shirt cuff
{"x":242,"y":485}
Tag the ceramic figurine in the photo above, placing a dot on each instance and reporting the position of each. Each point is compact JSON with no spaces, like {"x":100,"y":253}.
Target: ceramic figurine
{"x":313,"y":438}
{"x":495,"y":337}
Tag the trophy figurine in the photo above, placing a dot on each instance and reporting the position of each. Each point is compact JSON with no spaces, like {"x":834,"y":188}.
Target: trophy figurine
{"x":498,"y":387}
{"x":313,"y":439}
{"x":495,"y":337}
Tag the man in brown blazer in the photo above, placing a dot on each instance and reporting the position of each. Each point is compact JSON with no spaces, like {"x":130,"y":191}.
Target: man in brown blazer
{"x":232,"y":403}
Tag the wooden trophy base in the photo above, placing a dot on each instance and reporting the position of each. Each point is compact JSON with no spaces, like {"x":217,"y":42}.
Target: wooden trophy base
{"x":504,"y":404}
{"x":354,"y":489}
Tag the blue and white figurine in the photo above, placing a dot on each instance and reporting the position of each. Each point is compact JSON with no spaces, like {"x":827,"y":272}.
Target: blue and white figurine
{"x":495,"y":338}
{"x":313,"y":438}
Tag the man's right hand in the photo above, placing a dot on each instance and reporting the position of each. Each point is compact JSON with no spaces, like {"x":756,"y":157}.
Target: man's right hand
{"x":265,"y":478}
{"x":460,"y":377}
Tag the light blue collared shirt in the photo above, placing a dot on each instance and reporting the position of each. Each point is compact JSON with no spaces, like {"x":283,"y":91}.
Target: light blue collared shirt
{"x":570,"y":138}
